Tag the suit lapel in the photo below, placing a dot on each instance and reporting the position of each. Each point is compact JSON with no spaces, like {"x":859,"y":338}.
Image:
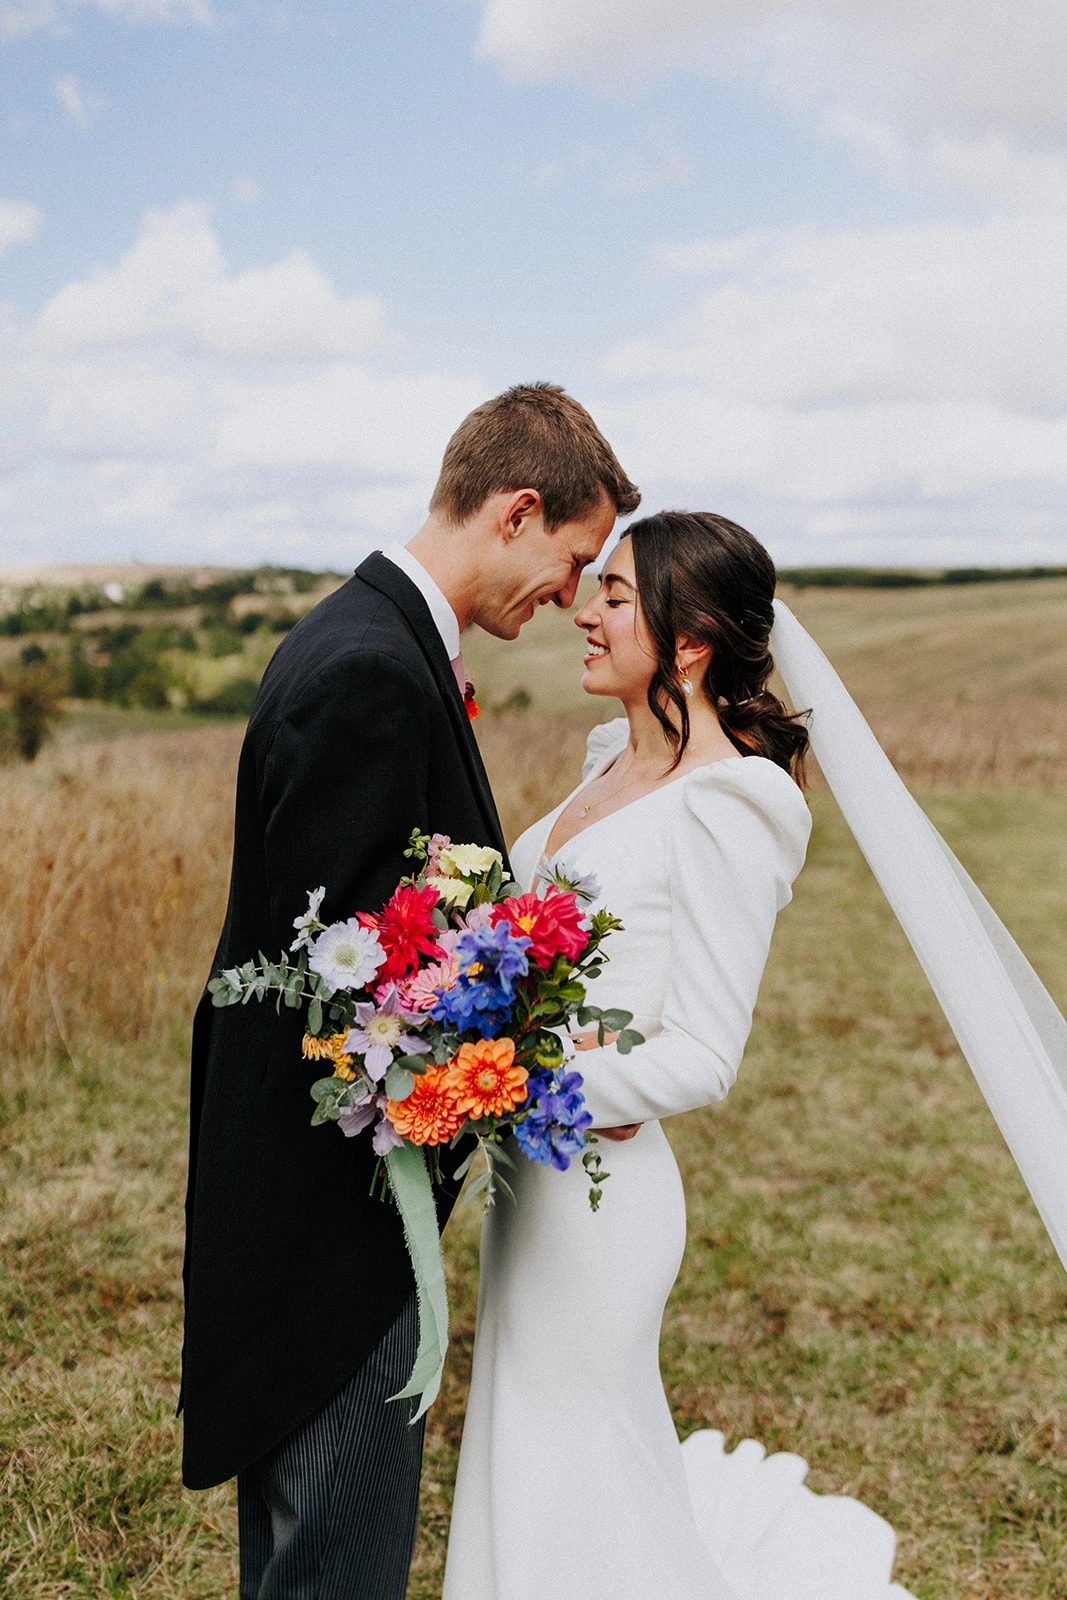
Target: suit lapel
{"x":380,"y":573}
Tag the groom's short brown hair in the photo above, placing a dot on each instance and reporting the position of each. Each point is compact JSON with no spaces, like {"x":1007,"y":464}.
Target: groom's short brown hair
{"x":533,"y":436}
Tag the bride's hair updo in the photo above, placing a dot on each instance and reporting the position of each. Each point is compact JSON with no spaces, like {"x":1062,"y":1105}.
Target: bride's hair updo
{"x":702,"y":577}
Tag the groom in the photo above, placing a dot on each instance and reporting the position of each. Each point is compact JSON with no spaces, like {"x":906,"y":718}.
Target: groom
{"x":300,"y":1311}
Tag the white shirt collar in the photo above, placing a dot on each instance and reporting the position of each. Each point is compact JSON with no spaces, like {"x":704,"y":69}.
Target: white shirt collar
{"x":445,"y":620}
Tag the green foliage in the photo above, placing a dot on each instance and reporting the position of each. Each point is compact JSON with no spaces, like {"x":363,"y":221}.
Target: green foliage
{"x":222,"y":640}
{"x":234,"y":699}
{"x":901,"y":578}
{"x":84,"y":680}
{"x":34,"y":701}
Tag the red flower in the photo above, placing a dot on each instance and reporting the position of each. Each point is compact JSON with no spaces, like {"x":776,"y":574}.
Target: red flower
{"x":473,"y":709}
{"x":551,"y":924}
{"x":405,"y":930}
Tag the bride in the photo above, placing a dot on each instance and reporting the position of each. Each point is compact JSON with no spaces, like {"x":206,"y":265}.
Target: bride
{"x":571,"y":1480}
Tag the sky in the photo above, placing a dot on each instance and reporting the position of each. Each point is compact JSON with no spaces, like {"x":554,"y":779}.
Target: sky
{"x":807,"y":268}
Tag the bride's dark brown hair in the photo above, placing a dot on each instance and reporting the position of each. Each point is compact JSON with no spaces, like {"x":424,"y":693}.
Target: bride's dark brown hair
{"x":701,"y":577}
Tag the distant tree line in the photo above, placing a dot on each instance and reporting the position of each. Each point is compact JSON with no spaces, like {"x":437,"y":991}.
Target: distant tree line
{"x":904,"y":578}
{"x":137,"y":663}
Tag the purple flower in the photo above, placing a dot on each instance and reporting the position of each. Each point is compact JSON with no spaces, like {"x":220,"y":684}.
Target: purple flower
{"x":379,"y":1029}
{"x":557,"y":873}
{"x":489,"y":960}
{"x":354,"y":1120}
{"x":554,"y":1128}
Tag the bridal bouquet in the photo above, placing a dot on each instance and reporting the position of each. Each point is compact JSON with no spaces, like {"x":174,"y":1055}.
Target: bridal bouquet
{"x":436,"y":1015}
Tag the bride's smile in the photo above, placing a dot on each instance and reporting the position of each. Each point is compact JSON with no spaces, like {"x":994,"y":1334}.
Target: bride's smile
{"x":620,"y":657}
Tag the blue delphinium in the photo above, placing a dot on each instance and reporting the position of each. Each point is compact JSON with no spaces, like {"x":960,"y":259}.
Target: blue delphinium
{"x":554,"y":1129}
{"x":490,"y":961}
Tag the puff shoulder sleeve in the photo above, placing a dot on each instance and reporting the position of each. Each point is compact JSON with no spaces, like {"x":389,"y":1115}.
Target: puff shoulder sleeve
{"x":736,"y":843}
{"x":607,"y":739}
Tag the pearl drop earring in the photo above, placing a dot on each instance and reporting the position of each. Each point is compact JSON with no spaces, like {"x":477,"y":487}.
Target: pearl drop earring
{"x":687,"y":687}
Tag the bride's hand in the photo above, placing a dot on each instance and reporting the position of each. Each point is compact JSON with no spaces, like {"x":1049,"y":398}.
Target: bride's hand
{"x":589,"y":1041}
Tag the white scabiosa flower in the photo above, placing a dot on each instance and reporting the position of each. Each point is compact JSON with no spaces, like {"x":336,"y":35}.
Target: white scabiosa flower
{"x":347,"y":955}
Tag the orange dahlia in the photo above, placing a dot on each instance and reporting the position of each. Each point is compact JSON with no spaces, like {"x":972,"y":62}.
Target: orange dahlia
{"x":484,"y":1079}
{"x":429,"y":1115}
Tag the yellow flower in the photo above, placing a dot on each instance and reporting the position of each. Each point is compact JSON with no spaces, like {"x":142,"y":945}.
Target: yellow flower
{"x":329,"y":1049}
{"x":463,"y":860}
{"x":453,"y":891}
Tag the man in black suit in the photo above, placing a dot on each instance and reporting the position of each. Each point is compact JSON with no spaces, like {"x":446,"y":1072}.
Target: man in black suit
{"x":300,"y":1314}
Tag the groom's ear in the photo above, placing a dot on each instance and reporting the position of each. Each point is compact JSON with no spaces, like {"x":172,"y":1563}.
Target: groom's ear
{"x":518,"y":507}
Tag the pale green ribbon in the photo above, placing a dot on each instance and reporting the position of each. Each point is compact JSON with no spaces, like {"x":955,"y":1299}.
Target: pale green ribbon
{"x":406,"y":1166}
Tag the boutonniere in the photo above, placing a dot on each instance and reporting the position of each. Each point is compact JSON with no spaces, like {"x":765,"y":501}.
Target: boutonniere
{"x":470,"y":702}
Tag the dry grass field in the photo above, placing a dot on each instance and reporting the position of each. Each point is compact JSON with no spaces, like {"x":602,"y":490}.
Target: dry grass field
{"x":866,"y":1280}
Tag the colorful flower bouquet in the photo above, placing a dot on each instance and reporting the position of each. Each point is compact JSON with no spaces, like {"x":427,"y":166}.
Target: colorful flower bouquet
{"x":441,"y":1017}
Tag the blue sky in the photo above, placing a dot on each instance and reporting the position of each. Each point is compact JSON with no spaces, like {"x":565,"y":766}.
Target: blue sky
{"x":257,"y":260}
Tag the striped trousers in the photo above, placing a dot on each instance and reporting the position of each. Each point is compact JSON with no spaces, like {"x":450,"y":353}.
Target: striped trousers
{"x":331,"y":1512}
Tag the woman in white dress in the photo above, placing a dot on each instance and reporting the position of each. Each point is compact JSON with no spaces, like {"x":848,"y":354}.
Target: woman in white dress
{"x":572,"y":1481}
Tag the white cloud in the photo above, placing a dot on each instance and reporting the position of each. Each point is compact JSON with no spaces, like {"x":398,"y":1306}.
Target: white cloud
{"x":893,"y":74}
{"x":80,"y":106}
{"x":869,"y":390}
{"x":167,"y":403}
{"x":19,"y":18}
{"x":20,"y":223}
{"x":174,"y":283}
{"x":925,"y":312}
{"x":656,"y":160}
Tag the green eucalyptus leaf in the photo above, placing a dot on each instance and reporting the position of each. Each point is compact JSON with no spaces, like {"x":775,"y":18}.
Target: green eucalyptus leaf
{"x":315,"y":1015}
{"x":399,"y":1083}
{"x":327,"y":1088}
{"x":482,"y":1181}
{"x":465,"y":1165}
{"x":615,"y":1020}
{"x":502,"y":1183}
{"x":415,"y":1064}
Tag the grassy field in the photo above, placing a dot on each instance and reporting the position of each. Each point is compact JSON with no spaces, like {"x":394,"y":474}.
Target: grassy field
{"x":866,"y":1280}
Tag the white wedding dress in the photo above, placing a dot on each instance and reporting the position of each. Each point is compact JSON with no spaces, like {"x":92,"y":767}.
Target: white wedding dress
{"x":571,"y":1480}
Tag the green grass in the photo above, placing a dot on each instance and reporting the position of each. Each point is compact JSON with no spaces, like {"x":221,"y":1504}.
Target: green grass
{"x":866,"y":1280}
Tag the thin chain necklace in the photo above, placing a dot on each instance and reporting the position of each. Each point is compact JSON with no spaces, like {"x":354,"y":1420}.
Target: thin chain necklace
{"x":623,"y":787}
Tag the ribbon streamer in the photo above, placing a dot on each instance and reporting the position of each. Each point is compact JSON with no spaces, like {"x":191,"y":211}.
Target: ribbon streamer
{"x":406,"y":1166}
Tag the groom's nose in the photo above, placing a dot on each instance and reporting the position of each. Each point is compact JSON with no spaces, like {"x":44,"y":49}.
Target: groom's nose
{"x":565,"y":597}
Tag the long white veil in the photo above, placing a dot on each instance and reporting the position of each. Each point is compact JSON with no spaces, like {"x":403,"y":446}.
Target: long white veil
{"x":1006,"y":1022}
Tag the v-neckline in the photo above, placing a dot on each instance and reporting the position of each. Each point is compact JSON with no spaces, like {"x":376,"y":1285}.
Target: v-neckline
{"x":598,"y":772}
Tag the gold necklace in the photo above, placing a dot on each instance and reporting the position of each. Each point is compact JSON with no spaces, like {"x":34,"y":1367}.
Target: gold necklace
{"x":593,"y":804}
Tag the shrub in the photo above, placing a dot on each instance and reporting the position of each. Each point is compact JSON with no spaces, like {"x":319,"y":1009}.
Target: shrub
{"x":234,"y":699}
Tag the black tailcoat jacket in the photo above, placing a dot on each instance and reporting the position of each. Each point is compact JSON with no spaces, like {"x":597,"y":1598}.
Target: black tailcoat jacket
{"x":293,"y":1273}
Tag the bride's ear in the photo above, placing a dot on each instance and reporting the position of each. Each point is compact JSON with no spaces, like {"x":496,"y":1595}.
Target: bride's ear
{"x":691,"y":657}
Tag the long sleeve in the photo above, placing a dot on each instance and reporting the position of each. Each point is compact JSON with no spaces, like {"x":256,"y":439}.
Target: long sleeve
{"x":736,"y":842}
